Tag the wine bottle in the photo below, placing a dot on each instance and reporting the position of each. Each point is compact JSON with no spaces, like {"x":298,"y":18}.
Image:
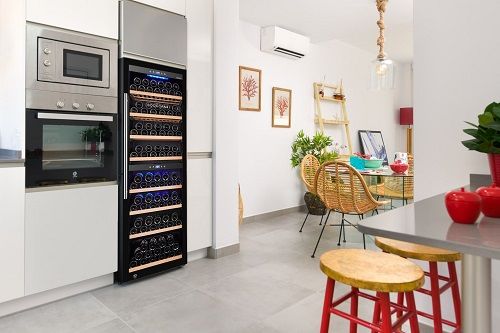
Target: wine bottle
{"x":168,"y":85}
{"x":165,"y":196}
{"x":157,"y":198}
{"x":148,"y":177}
{"x":174,"y":176}
{"x":153,"y":83}
{"x":157,"y":220}
{"x":148,"y":148}
{"x":149,"y":89}
{"x":133,"y":208}
{"x":176,"y":86}
{"x":174,"y":195}
{"x":165,"y":176}
{"x":133,"y":263}
{"x":141,"y":88}
{"x":157,"y":175}
{"x":175,"y":217}
{"x":134,"y":231}
{"x":137,"y":80}
{"x":138,"y":199}
{"x":145,"y":82}
{"x":160,"y":84}
{"x":138,"y":222}
{"x":144,"y":206}
{"x":138,"y":177}
{"x":148,"y":221}
{"x":133,"y":110}
{"x":133,"y":132}
{"x":149,"y":198}
{"x":138,"y":148}
{"x":153,"y":132}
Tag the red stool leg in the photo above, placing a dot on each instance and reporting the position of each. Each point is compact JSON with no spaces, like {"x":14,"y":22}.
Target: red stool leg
{"x":436,"y":297}
{"x":385,"y":308}
{"x":376,"y":313}
{"x":399,"y":313}
{"x":455,"y":292}
{"x":325,"y":318}
{"x":353,"y":327}
{"x":410,"y":303}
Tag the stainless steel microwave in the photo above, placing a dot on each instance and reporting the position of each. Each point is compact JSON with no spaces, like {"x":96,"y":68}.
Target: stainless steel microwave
{"x":70,"y":62}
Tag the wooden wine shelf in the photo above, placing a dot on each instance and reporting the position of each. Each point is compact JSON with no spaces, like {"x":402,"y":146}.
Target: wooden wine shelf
{"x":154,"y":117}
{"x":155,"y":138}
{"x":158,"y":158}
{"x":154,"y":189}
{"x":154,"y":263}
{"x":154,"y":232}
{"x":155,"y":97}
{"x":153,"y":210}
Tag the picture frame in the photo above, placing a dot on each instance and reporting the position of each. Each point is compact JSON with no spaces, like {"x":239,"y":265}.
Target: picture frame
{"x":372,"y":143}
{"x":281,"y":110}
{"x":249,"y":88}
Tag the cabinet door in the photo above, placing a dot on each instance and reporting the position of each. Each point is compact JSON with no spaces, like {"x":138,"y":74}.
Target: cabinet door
{"x":96,"y":17}
{"x":199,"y":16}
{"x":12,"y":233}
{"x":199,"y":203}
{"x":174,"y":6}
{"x":71,"y":236}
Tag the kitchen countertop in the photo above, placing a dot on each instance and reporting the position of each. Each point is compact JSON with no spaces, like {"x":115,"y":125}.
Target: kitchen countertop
{"x":10,"y":156}
{"x":427,"y":222}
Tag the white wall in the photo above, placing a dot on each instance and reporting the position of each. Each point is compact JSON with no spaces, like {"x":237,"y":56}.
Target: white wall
{"x":225,"y":126}
{"x":264,"y":152}
{"x":456,"y":74}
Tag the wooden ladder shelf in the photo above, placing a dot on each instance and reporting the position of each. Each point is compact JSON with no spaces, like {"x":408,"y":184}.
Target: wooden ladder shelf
{"x":318,"y":119}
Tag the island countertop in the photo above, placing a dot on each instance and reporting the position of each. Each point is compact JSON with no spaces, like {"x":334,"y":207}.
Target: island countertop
{"x":427,"y":222}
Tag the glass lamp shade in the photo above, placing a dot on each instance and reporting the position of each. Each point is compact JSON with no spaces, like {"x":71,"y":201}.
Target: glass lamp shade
{"x":382,"y":74}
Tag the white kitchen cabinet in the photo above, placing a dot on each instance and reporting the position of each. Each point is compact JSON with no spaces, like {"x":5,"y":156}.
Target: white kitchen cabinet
{"x":96,"y":17}
{"x":174,"y":6}
{"x":71,"y":236}
{"x":11,"y":232}
{"x":199,"y":203}
{"x":199,"y":16}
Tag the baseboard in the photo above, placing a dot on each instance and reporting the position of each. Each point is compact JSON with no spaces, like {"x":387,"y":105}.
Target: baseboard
{"x":301,"y":208}
{"x":197,"y":254}
{"x":31,"y":301}
{"x":214,"y":253}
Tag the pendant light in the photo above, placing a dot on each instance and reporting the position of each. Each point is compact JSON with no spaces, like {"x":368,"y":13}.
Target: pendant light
{"x":382,"y":71}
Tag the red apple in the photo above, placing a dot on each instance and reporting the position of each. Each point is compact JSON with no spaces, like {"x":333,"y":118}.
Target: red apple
{"x":490,"y":197}
{"x":463,"y":207}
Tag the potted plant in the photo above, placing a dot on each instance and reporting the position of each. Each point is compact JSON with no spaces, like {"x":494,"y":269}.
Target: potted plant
{"x":94,"y":137}
{"x":487,"y":138}
{"x":304,"y":145}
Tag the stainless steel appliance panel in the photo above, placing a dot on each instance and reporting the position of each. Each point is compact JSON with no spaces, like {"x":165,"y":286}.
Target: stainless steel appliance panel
{"x":152,"y":33}
{"x":46,"y":48}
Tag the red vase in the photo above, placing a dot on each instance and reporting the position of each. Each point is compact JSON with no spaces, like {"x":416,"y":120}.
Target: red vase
{"x":494,"y":160}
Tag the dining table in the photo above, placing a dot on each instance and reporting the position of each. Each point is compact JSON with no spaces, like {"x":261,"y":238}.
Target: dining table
{"x":427,"y":222}
{"x":402,"y":182}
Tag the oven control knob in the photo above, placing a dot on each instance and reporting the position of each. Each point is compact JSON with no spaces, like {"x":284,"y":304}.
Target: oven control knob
{"x":76,"y":105}
{"x":46,"y":63}
{"x":90,"y":106}
{"x":60,"y":104}
{"x":47,"y":50}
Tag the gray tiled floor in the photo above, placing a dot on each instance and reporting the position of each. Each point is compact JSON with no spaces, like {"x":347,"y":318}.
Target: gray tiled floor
{"x":272,"y":285}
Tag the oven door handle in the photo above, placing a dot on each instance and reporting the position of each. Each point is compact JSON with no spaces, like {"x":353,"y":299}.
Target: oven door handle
{"x":125,"y":146}
{"x":78,"y":117}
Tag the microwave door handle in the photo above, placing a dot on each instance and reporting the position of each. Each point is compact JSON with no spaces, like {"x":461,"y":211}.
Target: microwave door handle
{"x":77,"y":117}
{"x":125,"y":146}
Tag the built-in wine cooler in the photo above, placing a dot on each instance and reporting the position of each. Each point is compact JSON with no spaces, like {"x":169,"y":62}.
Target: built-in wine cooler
{"x":153,"y":192}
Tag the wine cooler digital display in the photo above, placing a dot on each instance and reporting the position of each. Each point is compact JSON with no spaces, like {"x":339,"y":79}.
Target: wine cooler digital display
{"x":153,"y":210}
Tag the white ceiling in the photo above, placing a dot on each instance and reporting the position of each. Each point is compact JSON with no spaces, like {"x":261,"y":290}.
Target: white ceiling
{"x":351,"y":21}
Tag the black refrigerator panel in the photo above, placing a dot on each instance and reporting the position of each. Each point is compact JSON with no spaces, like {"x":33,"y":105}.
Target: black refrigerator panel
{"x":152,"y":226}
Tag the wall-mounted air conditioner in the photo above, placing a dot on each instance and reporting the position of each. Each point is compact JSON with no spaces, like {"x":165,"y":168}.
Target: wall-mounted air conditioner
{"x":283,"y":42}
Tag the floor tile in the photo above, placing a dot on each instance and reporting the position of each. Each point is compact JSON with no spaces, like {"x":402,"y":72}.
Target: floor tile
{"x":191,"y":312}
{"x":113,"y":326}
{"x":69,"y":315}
{"x":126,"y":299}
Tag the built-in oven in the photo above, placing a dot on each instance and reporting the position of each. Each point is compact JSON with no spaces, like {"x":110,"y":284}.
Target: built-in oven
{"x":69,"y":148}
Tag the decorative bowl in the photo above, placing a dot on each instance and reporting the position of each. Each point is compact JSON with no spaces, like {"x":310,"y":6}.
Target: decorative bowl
{"x":463,"y":207}
{"x":373,"y":163}
{"x":399,"y":167}
{"x":490,"y":197}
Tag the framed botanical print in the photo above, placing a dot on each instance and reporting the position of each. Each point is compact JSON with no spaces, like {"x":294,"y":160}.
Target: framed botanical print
{"x":249,"y":89}
{"x":282,"y":107}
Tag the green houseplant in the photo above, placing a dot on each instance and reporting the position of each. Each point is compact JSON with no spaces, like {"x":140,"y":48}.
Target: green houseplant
{"x":487,"y":138}
{"x":304,"y":144}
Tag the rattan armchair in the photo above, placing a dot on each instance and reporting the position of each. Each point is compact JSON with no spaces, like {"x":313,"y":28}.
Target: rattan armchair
{"x":342,"y":189}
{"x":315,"y":206}
{"x":395,"y":188}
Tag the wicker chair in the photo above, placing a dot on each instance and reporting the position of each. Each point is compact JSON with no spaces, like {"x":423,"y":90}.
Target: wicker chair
{"x":392,"y":188}
{"x":342,"y":189}
{"x":315,"y":206}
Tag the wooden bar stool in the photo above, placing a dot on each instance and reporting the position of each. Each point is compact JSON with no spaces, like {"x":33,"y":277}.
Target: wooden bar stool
{"x":433,"y":256}
{"x":376,"y":271}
